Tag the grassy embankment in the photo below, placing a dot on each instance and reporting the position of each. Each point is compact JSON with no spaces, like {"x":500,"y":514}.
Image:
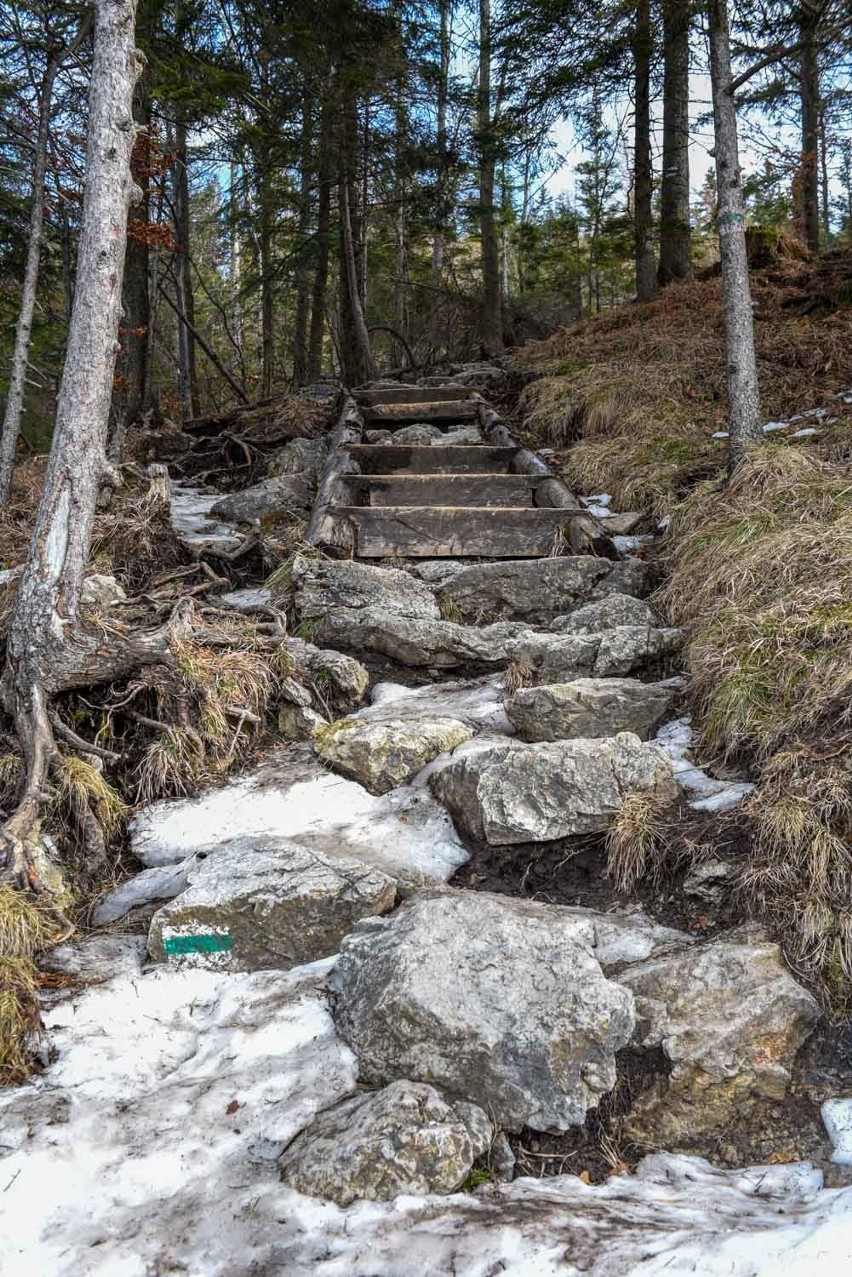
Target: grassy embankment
{"x":758,"y":572}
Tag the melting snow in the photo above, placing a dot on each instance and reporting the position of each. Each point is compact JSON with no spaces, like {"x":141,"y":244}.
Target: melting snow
{"x":837,"y":1117}
{"x":191,"y":519}
{"x":707,"y":793}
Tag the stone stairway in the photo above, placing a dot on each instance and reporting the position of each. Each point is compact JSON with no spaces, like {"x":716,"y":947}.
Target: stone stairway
{"x":418,"y":472}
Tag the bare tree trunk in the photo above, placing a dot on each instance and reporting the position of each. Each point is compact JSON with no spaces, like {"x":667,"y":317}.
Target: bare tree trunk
{"x":47,"y":646}
{"x":11,"y":428}
{"x":190,"y":402}
{"x":236,"y":272}
{"x":303,"y":283}
{"x":267,"y":304}
{"x":825,"y":187}
{"x":355,"y":349}
{"x":492,"y":320}
{"x":743,"y":394}
{"x":807,"y":178}
{"x":320,"y":287}
{"x":400,"y":281}
{"x":675,"y":245}
{"x":441,"y":145}
{"x":646,"y":270}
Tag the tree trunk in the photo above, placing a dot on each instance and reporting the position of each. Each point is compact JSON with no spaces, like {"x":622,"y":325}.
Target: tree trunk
{"x":131,"y":379}
{"x":646,"y":271}
{"x":188,"y":387}
{"x":492,"y":320}
{"x":807,"y":178}
{"x":236,"y":271}
{"x":318,"y":298}
{"x":825,"y":187}
{"x":303,"y":282}
{"x":400,"y":272}
{"x":11,"y":428}
{"x":47,"y":644}
{"x":267,"y":304}
{"x":743,"y":396}
{"x":441,"y":148}
{"x":356,"y":352}
{"x":675,"y":248}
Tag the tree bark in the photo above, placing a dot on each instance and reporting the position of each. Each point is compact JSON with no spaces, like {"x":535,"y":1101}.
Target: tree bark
{"x":267,"y":303}
{"x":646,"y":271}
{"x":47,"y":645}
{"x":13,"y":412}
{"x":441,"y":151}
{"x":132,"y":381}
{"x":356,"y":352}
{"x":492,"y":320}
{"x":807,"y":178}
{"x":189,"y":398}
{"x":675,"y":245}
{"x":825,"y":184}
{"x":303,"y":282}
{"x":320,"y":287}
{"x":400,"y":269}
{"x":744,"y":400}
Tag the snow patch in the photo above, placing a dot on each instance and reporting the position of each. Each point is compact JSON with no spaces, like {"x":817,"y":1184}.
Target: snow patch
{"x":191,"y":520}
{"x":707,"y":793}
{"x":837,"y":1119}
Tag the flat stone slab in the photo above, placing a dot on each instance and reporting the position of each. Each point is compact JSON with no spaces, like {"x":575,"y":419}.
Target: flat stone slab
{"x":524,"y":589}
{"x":406,"y":833}
{"x":260,"y":903}
{"x":511,"y":793}
{"x":324,"y":585}
{"x":587,"y":707}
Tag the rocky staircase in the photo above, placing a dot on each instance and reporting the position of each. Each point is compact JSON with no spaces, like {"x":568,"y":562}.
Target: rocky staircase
{"x":432,"y":472}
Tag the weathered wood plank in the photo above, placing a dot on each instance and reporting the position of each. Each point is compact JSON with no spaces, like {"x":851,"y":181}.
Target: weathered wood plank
{"x":448,"y":489}
{"x":336,"y":536}
{"x":414,"y":395}
{"x":444,"y":531}
{"x":455,"y":410}
{"x":389,"y":458}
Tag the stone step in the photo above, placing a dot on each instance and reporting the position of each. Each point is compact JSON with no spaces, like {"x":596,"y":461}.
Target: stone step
{"x":452,"y":532}
{"x":442,"y":410}
{"x":388,"y":458}
{"x":500,"y":490}
{"x":413,"y":395}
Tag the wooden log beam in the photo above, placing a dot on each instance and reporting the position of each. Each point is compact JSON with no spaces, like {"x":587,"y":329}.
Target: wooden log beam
{"x":326,"y":530}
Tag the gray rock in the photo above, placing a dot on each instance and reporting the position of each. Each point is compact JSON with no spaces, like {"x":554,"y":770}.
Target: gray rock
{"x":101,"y":591}
{"x":405,"y":1138}
{"x":587,"y":707}
{"x":97,"y":958}
{"x":299,"y":722}
{"x":246,"y":601}
{"x":263,"y":903}
{"x":606,"y":614}
{"x":378,"y":436}
{"x":555,"y":658}
{"x":730,"y":1018}
{"x":629,"y":576}
{"x":477,"y":702}
{"x":533,"y":589}
{"x":283,"y":494}
{"x":160,"y":883}
{"x":621,"y":938}
{"x":418,"y":640}
{"x":710,"y":879}
{"x":384,"y":754}
{"x":628,"y":646}
{"x":511,"y":793}
{"x":325,"y":585}
{"x":299,"y":455}
{"x":624,"y":523}
{"x":461,"y":435}
{"x":418,"y":433}
{"x":342,"y":679}
{"x":498,"y":1000}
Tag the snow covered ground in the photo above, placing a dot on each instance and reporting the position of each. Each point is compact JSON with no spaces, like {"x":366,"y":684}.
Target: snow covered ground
{"x":147,"y":1149}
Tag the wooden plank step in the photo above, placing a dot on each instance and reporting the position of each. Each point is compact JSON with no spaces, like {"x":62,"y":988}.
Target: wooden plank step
{"x":410,"y":413}
{"x":450,"y":532}
{"x":414,"y":395}
{"x":391,"y":458}
{"x":448,"y":489}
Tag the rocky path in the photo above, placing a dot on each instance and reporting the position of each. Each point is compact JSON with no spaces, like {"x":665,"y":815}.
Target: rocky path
{"x":298,"y":1045}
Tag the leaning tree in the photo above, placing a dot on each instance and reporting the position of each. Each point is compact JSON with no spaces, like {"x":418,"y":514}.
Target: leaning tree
{"x":50,"y":645}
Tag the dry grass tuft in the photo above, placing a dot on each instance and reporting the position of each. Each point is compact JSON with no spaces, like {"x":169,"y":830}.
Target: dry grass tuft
{"x":82,"y":784}
{"x":637,"y":843}
{"x":449,"y":608}
{"x":24,"y":930}
{"x":519,"y":674}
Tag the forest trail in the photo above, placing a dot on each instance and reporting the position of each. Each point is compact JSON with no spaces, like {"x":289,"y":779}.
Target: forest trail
{"x":432,"y":472}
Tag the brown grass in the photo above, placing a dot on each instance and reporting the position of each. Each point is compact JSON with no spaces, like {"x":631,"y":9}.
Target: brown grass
{"x":637,"y":842}
{"x":24,"y":930}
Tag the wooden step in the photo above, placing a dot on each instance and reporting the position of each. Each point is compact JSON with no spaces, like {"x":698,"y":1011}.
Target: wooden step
{"x":413,"y":395}
{"x":448,"y":489}
{"x":443,"y":410}
{"x":391,"y":458}
{"x":449,"y":532}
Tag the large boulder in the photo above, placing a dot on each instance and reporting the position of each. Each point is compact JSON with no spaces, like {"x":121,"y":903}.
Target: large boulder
{"x":730,"y":1019}
{"x":300,"y":454}
{"x":627,"y":647}
{"x":342,"y":680}
{"x":324,"y":585}
{"x":605,"y":614}
{"x":266,"y":903}
{"x":384,"y":754}
{"x":534,"y":590}
{"x":587,"y":707}
{"x":512,"y":793}
{"x":499,"y":1001}
{"x":406,"y":1138}
{"x":283,"y":494}
{"x":419,"y":640}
